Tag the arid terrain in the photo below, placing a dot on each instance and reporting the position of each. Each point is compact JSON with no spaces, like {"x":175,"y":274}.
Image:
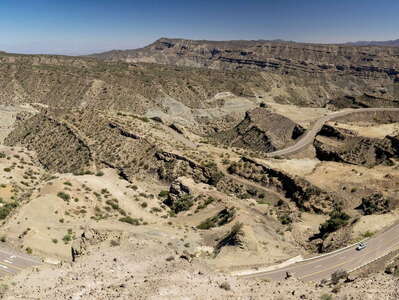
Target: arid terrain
{"x":195,"y":169}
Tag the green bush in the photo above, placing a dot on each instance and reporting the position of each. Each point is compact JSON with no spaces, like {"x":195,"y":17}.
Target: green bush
{"x":130,"y":220}
{"x":223,"y":217}
{"x":337,"y":219}
{"x":163,"y":194}
{"x":6,"y":209}
{"x":285,"y":219}
{"x":64,"y":196}
{"x":67,"y":238}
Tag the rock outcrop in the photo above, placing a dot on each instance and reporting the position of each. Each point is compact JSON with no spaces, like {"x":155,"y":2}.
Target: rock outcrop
{"x":343,"y":146}
{"x":305,"y":195}
{"x":377,"y":204}
{"x":262,"y":131}
{"x":180,"y":197}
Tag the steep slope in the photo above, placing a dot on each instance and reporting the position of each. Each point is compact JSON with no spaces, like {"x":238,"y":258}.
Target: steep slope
{"x":264,"y":55}
{"x":263,"y":131}
{"x":341,"y":145}
{"x":312,"y":73}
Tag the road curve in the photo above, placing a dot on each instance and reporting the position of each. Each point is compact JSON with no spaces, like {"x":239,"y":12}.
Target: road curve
{"x":348,"y":259}
{"x":310,"y":135}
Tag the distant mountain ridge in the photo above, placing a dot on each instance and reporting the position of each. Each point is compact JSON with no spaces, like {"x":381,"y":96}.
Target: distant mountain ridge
{"x":391,"y":43}
{"x":171,"y":42}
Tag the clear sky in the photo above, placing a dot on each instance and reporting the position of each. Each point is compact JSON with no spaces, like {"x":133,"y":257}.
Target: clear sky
{"x":86,"y":26}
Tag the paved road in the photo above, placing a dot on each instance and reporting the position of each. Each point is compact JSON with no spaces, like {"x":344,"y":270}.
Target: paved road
{"x":348,"y":259}
{"x":12,"y":262}
{"x":310,"y":135}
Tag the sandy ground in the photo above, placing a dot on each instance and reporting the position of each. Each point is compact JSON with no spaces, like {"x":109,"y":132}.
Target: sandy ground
{"x":304,"y":116}
{"x":299,"y":167}
{"x":375,"y":131}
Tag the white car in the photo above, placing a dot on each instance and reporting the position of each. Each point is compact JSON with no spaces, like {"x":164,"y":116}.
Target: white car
{"x":361,"y":246}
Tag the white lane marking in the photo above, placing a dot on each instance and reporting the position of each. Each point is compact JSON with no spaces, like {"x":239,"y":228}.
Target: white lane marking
{"x":5,"y":269}
{"x":7,"y":261}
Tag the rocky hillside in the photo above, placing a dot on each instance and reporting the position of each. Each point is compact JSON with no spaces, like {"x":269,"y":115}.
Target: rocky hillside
{"x":344,"y":146}
{"x":263,"y":131}
{"x":80,"y":141}
{"x":340,"y":70}
{"x":193,"y":72}
{"x":264,"y":55}
{"x":68,"y":82}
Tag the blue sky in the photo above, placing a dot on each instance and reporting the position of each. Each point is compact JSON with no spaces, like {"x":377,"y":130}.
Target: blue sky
{"x":85,"y":26}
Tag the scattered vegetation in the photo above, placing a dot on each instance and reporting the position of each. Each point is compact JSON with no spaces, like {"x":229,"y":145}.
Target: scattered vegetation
{"x":6,"y":209}
{"x":130,"y":220}
{"x":64,"y":196}
{"x":337,"y":220}
{"x":225,"y":216}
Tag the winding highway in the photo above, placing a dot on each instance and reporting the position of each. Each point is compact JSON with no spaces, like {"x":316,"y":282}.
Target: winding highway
{"x":310,"y":135}
{"x":348,"y":259}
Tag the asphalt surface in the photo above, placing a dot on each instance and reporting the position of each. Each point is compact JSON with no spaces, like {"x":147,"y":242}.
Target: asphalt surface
{"x":347,"y":259}
{"x":12,"y":262}
{"x":310,"y":135}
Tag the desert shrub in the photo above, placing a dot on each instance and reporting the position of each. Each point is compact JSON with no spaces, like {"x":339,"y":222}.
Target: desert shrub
{"x":375,"y":203}
{"x":114,"y":243}
{"x":6,"y":209}
{"x":337,"y":219}
{"x":64,"y":196}
{"x":163,"y":194}
{"x":183,"y":203}
{"x":367,"y":234}
{"x":130,"y":220}
{"x":216,"y":176}
{"x":208,"y":201}
{"x":114,"y":204}
{"x":155,"y":209}
{"x":285,"y":219}
{"x":223,"y":217}
{"x":67,"y":238}
{"x":225,"y":286}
